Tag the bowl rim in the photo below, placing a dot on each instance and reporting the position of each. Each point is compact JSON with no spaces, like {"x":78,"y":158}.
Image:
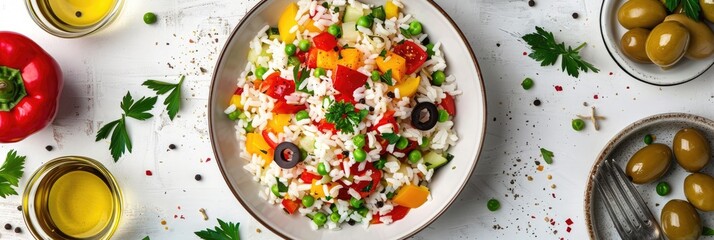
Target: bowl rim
{"x":450,"y":202}
{"x":616,"y":140}
{"x":612,"y":55}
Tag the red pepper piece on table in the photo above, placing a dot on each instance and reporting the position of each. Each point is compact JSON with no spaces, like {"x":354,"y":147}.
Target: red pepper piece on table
{"x":30,"y":84}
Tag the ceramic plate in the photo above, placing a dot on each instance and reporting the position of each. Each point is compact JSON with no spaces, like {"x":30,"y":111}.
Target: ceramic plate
{"x":685,"y":71}
{"x":446,"y":185}
{"x":663,"y":127}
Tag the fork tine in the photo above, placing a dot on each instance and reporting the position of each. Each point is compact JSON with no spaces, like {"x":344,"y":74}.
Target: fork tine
{"x":625,"y":192}
{"x":631,"y":191}
{"x":608,"y":199}
{"x":616,"y":202}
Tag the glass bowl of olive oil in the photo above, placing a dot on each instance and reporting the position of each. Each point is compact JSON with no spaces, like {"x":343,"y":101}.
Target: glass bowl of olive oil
{"x":72,"y":198}
{"x":73,"y":18}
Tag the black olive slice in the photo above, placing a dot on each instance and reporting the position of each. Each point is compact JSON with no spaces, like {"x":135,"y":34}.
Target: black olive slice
{"x":432,"y":111}
{"x":287,"y":155}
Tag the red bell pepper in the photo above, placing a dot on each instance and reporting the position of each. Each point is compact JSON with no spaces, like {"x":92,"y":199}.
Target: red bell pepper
{"x":307,"y":177}
{"x":282,"y":107}
{"x":415,"y":56}
{"x":325,"y":41}
{"x":388,"y":118}
{"x":30,"y":85}
{"x":268,"y":140}
{"x":291,"y":206}
{"x":312,"y":58}
{"x":277,"y":87}
{"x":347,"y":80}
{"x":398,"y":213}
{"x":449,"y":105}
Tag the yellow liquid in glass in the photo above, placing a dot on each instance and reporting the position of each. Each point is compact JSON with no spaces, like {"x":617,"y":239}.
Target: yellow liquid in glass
{"x":81,"y":13}
{"x":80,"y":204}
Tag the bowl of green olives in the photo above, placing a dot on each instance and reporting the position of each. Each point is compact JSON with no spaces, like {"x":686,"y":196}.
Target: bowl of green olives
{"x":667,"y":158}
{"x":657,"y":43}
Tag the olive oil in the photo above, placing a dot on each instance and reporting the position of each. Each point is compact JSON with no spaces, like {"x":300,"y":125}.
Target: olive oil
{"x":73,"y":18}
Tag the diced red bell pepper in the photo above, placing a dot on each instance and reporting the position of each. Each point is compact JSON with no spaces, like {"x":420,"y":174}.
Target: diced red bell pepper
{"x":364,"y":188}
{"x":398,"y":213}
{"x":291,"y":206}
{"x":413,"y":53}
{"x":238,"y":91}
{"x":388,"y":118}
{"x":312,"y":58}
{"x":325,"y":41}
{"x":449,"y":105}
{"x":282,"y":107}
{"x":347,"y":80}
{"x":277,"y":87}
{"x":325,"y":127}
{"x":307,"y":177}
{"x":266,"y":137}
{"x":302,"y":56}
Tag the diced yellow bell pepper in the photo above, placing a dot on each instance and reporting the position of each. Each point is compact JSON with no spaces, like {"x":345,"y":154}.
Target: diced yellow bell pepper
{"x":411,"y":196}
{"x":351,"y":58}
{"x":255,"y":144}
{"x":287,"y":22}
{"x":279,"y":121}
{"x":235,"y":101}
{"x":391,"y":9}
{"x":317,"y":191}
{"x":310,"y":26}
{"x":396,"y":63}
{"x":408,"y":87}
{"x":327,"y":59}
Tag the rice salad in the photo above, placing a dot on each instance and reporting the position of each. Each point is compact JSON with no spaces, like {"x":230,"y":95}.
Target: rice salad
{"x":344,"y":112}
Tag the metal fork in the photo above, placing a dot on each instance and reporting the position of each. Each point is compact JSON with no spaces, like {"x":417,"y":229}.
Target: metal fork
{"x":629,"y":213}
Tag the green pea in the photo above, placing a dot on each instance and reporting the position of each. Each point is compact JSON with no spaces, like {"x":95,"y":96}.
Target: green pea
{"x":308,"y":201}
{"x":321,"y":169}
{"x":335,"y":30}
{"x":648,"y":139}
{"x":290,"y":49}
{"x":443,"y":115}
{"x":360,"y":155}
{"x":356,"y":203}
{"x":150,"y":18}
{"x":294,"y":61}
{"x":438,"y":78}
{"x":363,"y":211}
{"x":365,"y":21}
{"x":430,"y":49}
{"x":304,"y":45}
{"x":234,"y":115}
{"x":359,"y":140}
{"x":259,"y":72}
{"x":249,"y":127}
{"x":414,"y":156}
{"x":402,"y":143}
{"x":301,"y":115}
{"x":335,"y":217}
{"x":415,"y":28}
{"x":527,"y":83}
{"x":319,"y":219}
{"x":493,"y":205}
{"x":425,"y":142}
{"x":375,"y":76}
{"x":303,"y":154}
{"x":380,"y":164}
{"x":275,"y":190}
{"x":663,"y":188}
{"x":578,"y":124}
{"x":319,"y":72}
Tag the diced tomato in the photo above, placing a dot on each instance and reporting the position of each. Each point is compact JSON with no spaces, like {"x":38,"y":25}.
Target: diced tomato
{"x":282,"y":107}
{"x":398,"y":213}
{"x":266,"y":137}
{"x":345,"y":98}
{"x":347,"y":80}
{"x":307,"y":177}
{"x":449,"y":105}
{"x":413,"y":53}
{"x":277,"y":87}
{"x":312,"y":58}
{"x":364,"y":188}
{"x":238,"y":91}
{"x":325,"y":127}
{"x":325,"y":41}
{"x":291,"y":205}
{"x":302,"y":56}
{"x":388,"y":118}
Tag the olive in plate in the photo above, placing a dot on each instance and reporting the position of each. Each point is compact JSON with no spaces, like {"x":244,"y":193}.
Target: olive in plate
{"x":701,"y":44}
{"x":667,"y":44}
{"x":641,"y":14}
{"x":680,"y":221}
{"x":633,"y":44}
{"x":691,"y":149}
{"x":649,"y":163}
{"x":707,"y":9}
{"x":699,"y":190}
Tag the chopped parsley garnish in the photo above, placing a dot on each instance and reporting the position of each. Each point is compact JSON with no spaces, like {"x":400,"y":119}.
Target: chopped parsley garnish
{"x":120,"y":141}
{"x":10,"y":173}
{"x":391,"y":137}
{"x":344,"y":116}
{"x":546,"y":50}
{"x":224,"y":231}
{"x":300,"y":75}
{"x":383,"y":53}
{"x":367,"y":188}
{"x":281,"y":186}
{"x":387,"y":77}
{"x":547,"y":155}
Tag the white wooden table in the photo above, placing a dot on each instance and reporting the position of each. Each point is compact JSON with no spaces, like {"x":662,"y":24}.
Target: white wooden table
{"x":101,"y":68}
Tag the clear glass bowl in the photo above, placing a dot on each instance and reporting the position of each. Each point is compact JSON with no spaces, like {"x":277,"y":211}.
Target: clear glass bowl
{"x":36,"y":195}
{"x":43,"y":15}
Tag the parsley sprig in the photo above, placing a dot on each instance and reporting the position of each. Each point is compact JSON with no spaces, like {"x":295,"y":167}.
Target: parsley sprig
{"x":10,"y":173}
{"x":224,"y":231}
{"x":691,"y":7}
{"x":546,"y":50}
{"x":344,"y":116}
{"x":173,"y":101}
{"x":120,"y":141}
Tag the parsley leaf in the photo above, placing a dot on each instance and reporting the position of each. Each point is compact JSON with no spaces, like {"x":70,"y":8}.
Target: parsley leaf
{"x":707,"y":231}
{"x":547,"y":155}
{"x":383,"y":53}
{"x":10,"y":173}
{"x":146,"y":238}
{"x":546,"y":50}
{"x":672,"y":5}
{"x":224,"y":231}
{"x":173,"y":101}
{"x":281,"y":186}
{"x":120,"y":141}
{"x":692,"y":9}
{"x":391,"y":137}
{"x":405,"y":32}
{"x":343,"y":115}
{"x":139,"y":109}
{"x":300,"y":75}
{"x":387,"y":77}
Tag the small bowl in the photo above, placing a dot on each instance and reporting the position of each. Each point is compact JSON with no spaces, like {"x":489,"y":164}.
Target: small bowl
{"x":42,"y":14}
{"x":37,"y":217}
{"x":684,"y":71}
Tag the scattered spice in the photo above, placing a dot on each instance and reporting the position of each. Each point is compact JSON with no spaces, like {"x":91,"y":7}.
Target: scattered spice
{"x":558,"y":88}
{"x":49,"y":148}
{"x":203,"y":213}
{"x":163,"y":222}
{"x":539,"y":168}
{"x":569,"y":221}
{"x":198,"y":177}
{"x":498,"y":45}
{"x":552,"y":186}
{"x":78,"y":14}
{"x":149,"y":173}
{"x":550,"y":177}
{"x":575,"y":15}
{"x":172,"y":146}
{"x":18,"y":230}
{"x":391,"y":95}
{"x":536,"y":103}
{"x":530,"y":178}
{"x":594,"y":118}
{"x":531,"y":3}
{"x":258,"y":230}
{"x":596,"y":97}
{"x":8,"y":226}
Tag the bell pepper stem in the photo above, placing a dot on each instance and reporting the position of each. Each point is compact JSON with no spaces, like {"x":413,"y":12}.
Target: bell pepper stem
{"x":12,"y":88}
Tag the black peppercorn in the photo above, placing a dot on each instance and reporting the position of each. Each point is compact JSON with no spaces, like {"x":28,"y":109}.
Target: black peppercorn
{"x":18,"y":230}
{"x":363,"y":101}
{"x":380,"y":204}
{"x":351,"y":222}
{"x":536,"y":102}
{"x":19,"y":208}
{"x":198,"y":177}
{"x":78,"y":14}
{"x":346,"y":153}
{"x":575,"y":15}
{"x":172,"y":146}
{"x":390,"y":95}
{"x":49,"y":148}
{"x":371,"y":109}
{"x":531,"y":3}
{"x":8,"y":226}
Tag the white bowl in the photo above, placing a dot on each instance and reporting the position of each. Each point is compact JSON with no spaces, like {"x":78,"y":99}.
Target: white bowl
{"x":685,"y":71}
{"x":448,"y":181}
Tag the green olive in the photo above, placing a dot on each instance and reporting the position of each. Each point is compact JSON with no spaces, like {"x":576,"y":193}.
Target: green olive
{"x":649,"y":163}
{"x":633,"y":44}
{"x":691,"y":149}
{"x":699,"y":190}
{"x":641,"y":14}
{"x":707,"y":9}
{"x":667,"y":44}
{"x":701,"y":44}
{"x":680,"y":221}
